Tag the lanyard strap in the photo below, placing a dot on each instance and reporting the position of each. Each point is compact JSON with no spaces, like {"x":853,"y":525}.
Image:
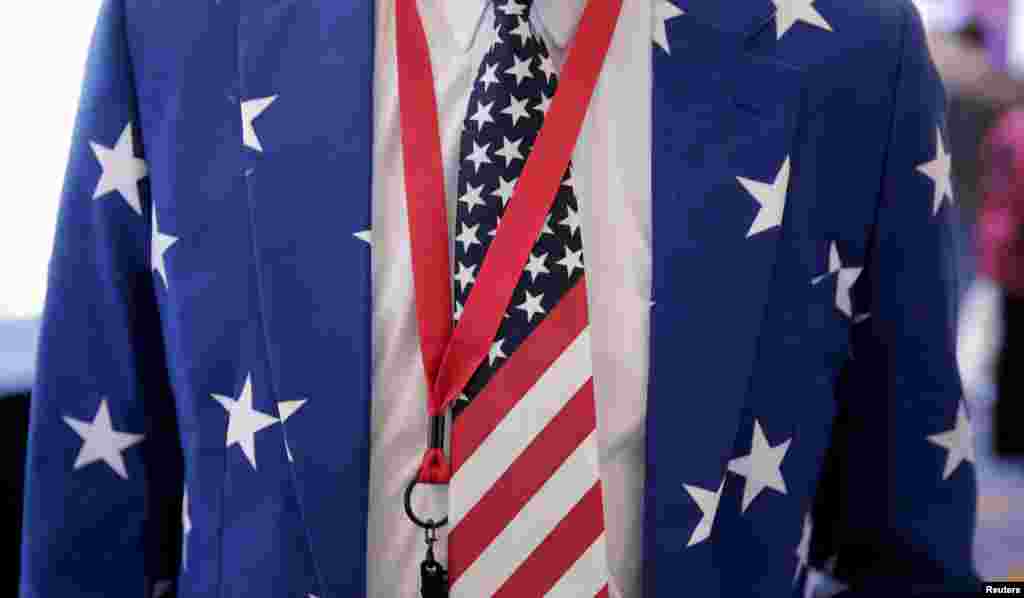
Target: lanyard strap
{"x":451,"y":356}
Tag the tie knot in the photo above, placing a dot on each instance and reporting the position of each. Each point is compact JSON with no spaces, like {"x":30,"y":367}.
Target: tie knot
{"x":508,"y":10}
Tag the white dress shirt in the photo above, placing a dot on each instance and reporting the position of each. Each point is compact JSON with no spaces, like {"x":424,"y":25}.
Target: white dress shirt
{"x":613,"y":185}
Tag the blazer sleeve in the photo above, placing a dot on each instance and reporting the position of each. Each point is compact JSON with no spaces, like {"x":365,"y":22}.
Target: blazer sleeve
{"x":894,"y":513}
{"x":103,"y":471}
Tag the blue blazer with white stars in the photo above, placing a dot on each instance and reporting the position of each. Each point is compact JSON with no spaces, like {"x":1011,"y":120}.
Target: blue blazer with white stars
{"x":200,"y":420}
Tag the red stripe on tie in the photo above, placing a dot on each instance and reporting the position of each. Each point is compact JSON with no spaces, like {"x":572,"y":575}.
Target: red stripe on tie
{"x":514,"y":378}
{"x":564,"y":546}
{"x":538,"y":462}
{"x":603,"y":593}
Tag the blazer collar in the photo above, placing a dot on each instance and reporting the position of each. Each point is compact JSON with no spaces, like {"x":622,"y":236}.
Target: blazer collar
{"x":559,"y":18}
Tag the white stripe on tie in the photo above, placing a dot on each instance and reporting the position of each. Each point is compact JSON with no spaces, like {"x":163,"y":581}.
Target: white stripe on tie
{"x":555,"y":387}
{"x":525,"y":532}
{"x":587,"y":575}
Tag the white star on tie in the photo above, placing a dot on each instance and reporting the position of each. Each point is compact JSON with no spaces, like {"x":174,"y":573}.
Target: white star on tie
{"x":803,"y":549}
{"x":531,"y":305}
{"x":468,"y":236}
{"x":548,"y":67}
{"x":788,"y":12}
{"x":504,"y":190}
{"x":496,"y":351}
{"x":472,"y":197}
{"x":244,"y":421}
{"x":158,"y":246}
{"x":663,"y":11}
{"x":465,"y":276}
{"x":186,"y":527}
{"x":494,"y":42}
{"x":287,"y":409}
{"x":572,"y":220}
{"x":544,"y":105}
{"x":479,"y":156}
{"x":536,"y":266}
{"x":845,"y":281}
{"x":762,"y":467}
{"x":512,"y":8}
{"x":521,"y":69}
{"x":523,"y":31}
{"x":568,"y":182}
{"x":959,"y":441}
{"x":482,"y":116}
{"x":571,"y":261}
{"x":938,"y":170}
{"x":708,"y":502}
{"x":547,"y":229}
{"x":101,"y":442}
{"x":250,"y":110}
{"x":490,"y":75}
{"x":458,"y":310}
{"x":363,"y":235}
{"x":509,"y":150}
{"x":516,"y":109}
{"x":770,"y":196}
{"x":122,"y":171}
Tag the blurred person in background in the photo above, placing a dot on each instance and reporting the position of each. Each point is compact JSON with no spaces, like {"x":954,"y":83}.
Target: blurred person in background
{"x":976,"y":50}
{"x":992,"y":322}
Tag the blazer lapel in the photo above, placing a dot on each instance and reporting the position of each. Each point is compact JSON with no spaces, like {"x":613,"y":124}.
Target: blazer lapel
{"x":724,"y":123}
{"x":306,"y":70}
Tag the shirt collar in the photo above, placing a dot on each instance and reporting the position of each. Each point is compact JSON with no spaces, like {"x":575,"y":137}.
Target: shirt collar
{"x":559,"y":17}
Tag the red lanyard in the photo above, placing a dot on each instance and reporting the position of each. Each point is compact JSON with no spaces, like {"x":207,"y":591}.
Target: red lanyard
{"x":450,"y":357}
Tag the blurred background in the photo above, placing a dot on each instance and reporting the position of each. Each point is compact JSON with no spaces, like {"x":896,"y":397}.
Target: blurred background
{"x":978,"y":46}
{"x":43,"y":61}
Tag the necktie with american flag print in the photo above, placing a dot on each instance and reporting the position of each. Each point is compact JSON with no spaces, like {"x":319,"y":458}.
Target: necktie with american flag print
{"x":526,"y":511}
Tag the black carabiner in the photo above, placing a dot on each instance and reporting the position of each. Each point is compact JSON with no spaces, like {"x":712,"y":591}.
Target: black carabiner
{"x":427,"y":525}
{"x":433,"y":576}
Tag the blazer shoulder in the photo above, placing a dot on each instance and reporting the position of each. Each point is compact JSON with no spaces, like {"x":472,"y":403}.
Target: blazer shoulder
{"x":887,"y":16}
{"x":844,"y":45}
{"x":868,"y":24}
